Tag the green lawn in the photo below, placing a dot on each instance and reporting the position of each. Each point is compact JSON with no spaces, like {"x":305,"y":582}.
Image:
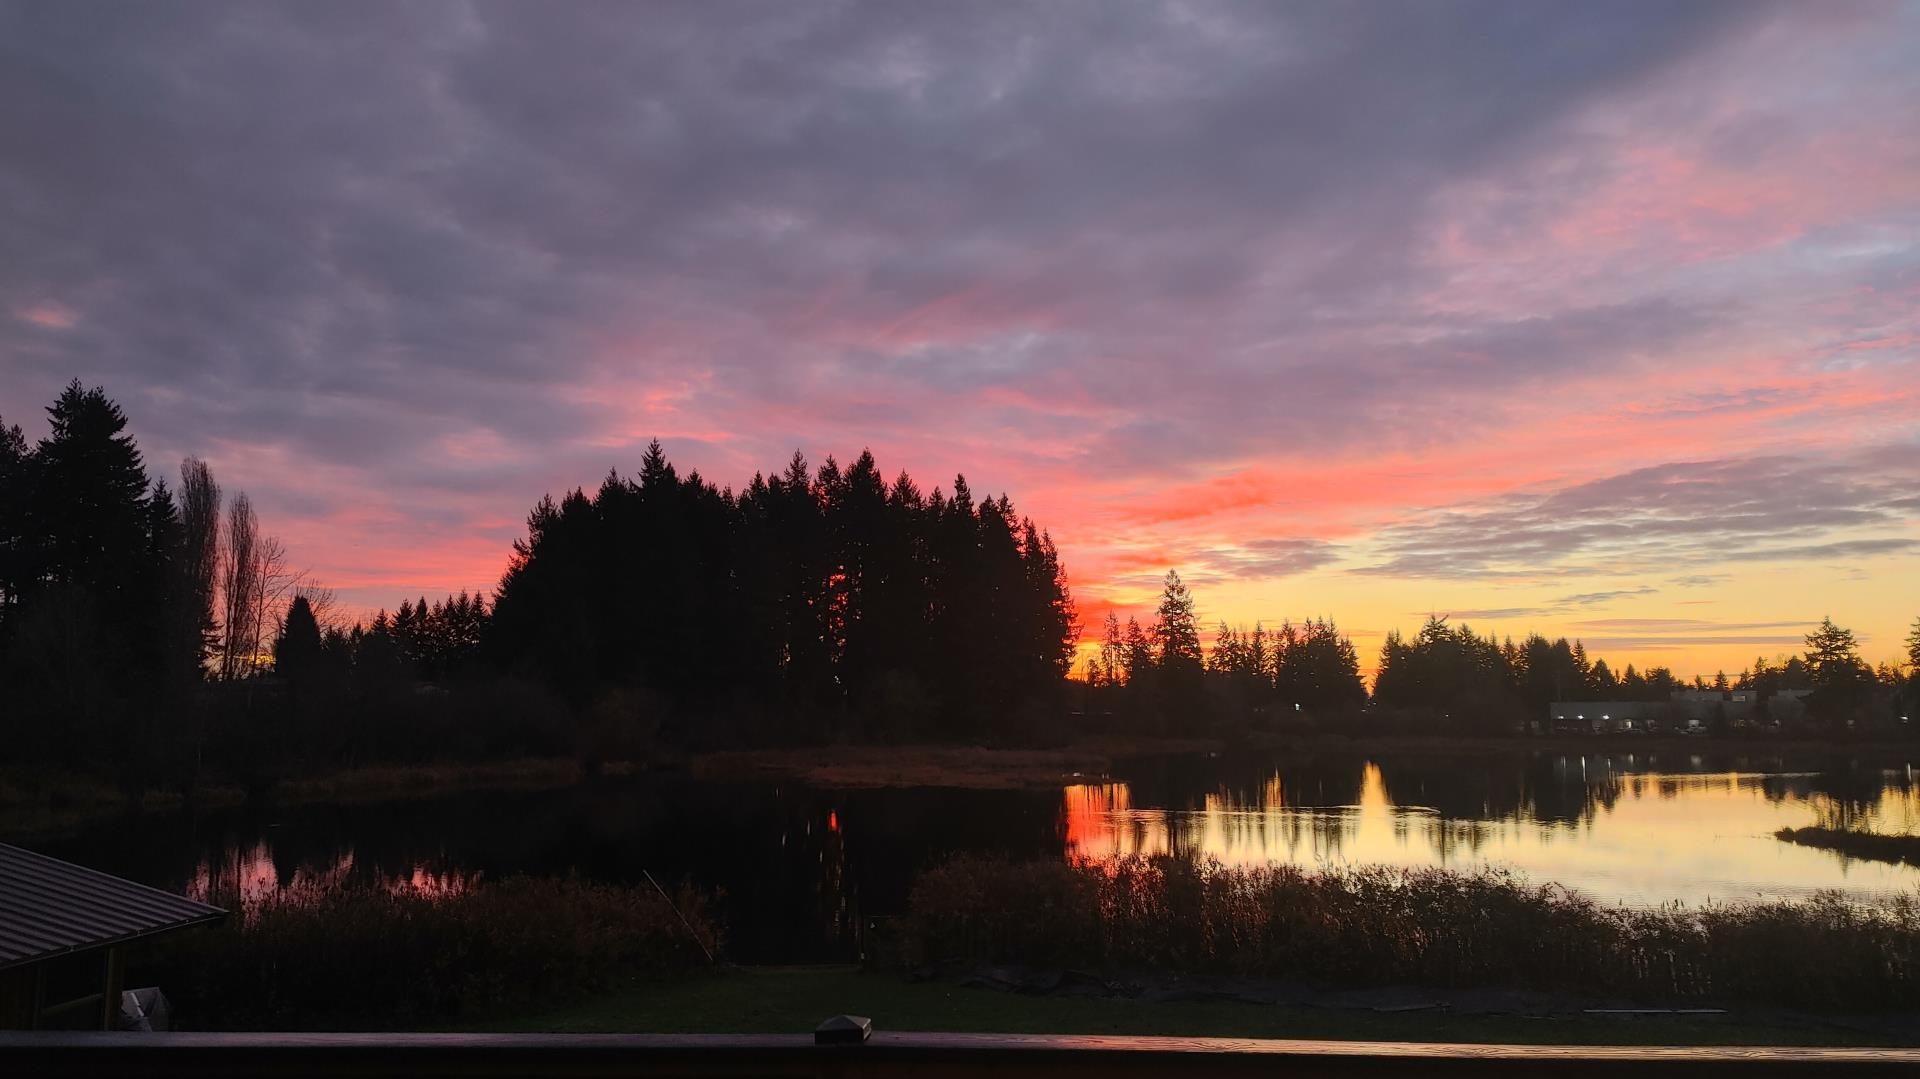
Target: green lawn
{"x":794,"y":999}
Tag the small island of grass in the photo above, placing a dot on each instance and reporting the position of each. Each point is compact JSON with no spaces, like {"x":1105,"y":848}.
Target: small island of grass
{"x":1874,"y":846}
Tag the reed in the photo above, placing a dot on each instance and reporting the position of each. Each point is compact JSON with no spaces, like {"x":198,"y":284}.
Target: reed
{"x":1384,"y":926}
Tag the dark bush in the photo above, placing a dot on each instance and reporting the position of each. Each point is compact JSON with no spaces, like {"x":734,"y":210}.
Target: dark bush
{"x":370,"y":957}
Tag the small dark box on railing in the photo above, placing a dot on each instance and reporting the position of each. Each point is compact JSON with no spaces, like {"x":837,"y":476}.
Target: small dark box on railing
{"x":843,"y":1030}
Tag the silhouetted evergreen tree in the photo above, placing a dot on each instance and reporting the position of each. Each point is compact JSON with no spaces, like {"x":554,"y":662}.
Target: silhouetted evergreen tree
{"x":16,"y":483}
{"x":88,"y":507}
{"x":1842,"y":683}
{"x":297,"y":650}
{"x":1110,"y":664}
{"x":1322,"y":670}
{"x":1137,"y":654}
{"x":86,"y":638}
{"x":823,"y":603}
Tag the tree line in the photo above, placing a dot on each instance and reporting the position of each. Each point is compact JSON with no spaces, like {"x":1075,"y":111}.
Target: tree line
{"x":1158,"y":677}
{"x":1446,"y":679}
{"x":166,"y":635}
{"x":159,"y":633}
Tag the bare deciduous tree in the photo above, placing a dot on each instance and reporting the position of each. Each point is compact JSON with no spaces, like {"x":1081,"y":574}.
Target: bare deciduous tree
{"x":200,"y":557}
{"x":256,"y":584}
{"x":239,"y":589}
{"x":275,"y":581}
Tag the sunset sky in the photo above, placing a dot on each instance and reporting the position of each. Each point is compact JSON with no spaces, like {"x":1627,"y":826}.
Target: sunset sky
{"x":1599,"y":320}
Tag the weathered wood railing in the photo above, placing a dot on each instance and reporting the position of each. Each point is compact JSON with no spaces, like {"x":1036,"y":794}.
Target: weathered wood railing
{"x":921,"y":1056}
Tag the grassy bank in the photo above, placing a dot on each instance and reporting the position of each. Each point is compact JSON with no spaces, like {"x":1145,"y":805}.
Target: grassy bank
{"x":365,"y":957}
{"x":793,"y":999}
{"x":390,"y":782}
{"x":51,"y":804}
{"x":34,"y":804}
{"x":974,"y":767}
{"x":985,"y":768}
{"x":1898,"y":849}
{"x":1378,"y":926}
{"x":968,"y":766}
{"x":1443,"y":746}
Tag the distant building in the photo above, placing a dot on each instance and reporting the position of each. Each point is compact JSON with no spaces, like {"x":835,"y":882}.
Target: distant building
{"x":1602,"y":717}
{"x":1788,"y":705}
{"x":1686,"y":710}
{"x":1695,"y":709}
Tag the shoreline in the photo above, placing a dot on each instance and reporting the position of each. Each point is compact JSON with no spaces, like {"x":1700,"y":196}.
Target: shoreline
{"x":44,"y":805}
{"x":967,"y":767}
{"x":67,"y":802}
{"x":1443,"y":746}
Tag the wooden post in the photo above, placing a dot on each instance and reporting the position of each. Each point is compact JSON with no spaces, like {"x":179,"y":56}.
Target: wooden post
{"x":114,"y":975}
{"x":16,"y":999}
{"x":39,"y":999}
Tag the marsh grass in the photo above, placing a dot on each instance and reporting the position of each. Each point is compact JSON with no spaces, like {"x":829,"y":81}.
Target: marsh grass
{"x":1385,"y":926}
{"x":367,"y":956}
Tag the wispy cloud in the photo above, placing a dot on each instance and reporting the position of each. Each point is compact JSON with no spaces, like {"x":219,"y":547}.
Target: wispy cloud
{"x":1704,"y":513}
{"x":1678,"y":625}
{"x":1691,"y":642}
{"x":1264,"y":558}
{"x":1595,"y":599}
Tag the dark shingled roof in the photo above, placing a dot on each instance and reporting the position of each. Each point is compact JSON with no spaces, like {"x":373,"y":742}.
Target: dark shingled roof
{"x":49,"y":907}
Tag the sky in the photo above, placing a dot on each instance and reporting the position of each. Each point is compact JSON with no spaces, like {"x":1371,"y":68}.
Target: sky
{"x":1598,"y":320}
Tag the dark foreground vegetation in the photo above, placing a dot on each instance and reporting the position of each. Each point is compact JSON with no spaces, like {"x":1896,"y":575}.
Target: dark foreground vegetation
{"x":527,"y":954}
{"x":365,"y":957}
{"x":1875,"y":846}
{"x":1379,"y":926}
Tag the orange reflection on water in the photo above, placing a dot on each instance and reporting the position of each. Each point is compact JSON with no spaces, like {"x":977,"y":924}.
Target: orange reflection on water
{"x":1644,"y":838}
{"x":249,"y":876}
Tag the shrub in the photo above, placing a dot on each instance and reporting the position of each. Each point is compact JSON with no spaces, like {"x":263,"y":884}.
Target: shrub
{"x":1378,"y":926}
{"x":377,"y":957}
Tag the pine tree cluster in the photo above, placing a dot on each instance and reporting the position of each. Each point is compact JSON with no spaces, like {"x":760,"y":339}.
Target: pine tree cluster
{"x":817,"y":602}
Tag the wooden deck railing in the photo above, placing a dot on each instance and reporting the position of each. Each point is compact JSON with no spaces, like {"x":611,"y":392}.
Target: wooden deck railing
{"x":920,"y":1056}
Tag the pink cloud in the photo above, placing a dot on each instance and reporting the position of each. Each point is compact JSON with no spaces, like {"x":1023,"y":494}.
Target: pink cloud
{"x":49,"y":315}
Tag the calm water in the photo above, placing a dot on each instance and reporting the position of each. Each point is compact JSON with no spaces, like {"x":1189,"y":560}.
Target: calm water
{"x":798,"y":867}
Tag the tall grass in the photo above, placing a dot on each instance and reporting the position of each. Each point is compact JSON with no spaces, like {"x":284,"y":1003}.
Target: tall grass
{"x":373,"y":957}
{"x":1381,"y":926}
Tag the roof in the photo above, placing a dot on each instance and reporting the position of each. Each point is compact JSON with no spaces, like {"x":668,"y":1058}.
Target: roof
{"x":49,"y":908}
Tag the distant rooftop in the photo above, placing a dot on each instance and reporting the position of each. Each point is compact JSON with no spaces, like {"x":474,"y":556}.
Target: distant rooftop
{"x":50,"y":908}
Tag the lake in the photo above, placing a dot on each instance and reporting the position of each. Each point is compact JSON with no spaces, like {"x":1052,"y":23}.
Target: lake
{"x":797,"y":868}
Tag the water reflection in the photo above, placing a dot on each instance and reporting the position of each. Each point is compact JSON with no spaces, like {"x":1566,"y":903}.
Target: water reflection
{"x":798,"y":869}
{"x":247,"y":874}
{"x":1620,"y":827}
{"x":795,"y":869}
